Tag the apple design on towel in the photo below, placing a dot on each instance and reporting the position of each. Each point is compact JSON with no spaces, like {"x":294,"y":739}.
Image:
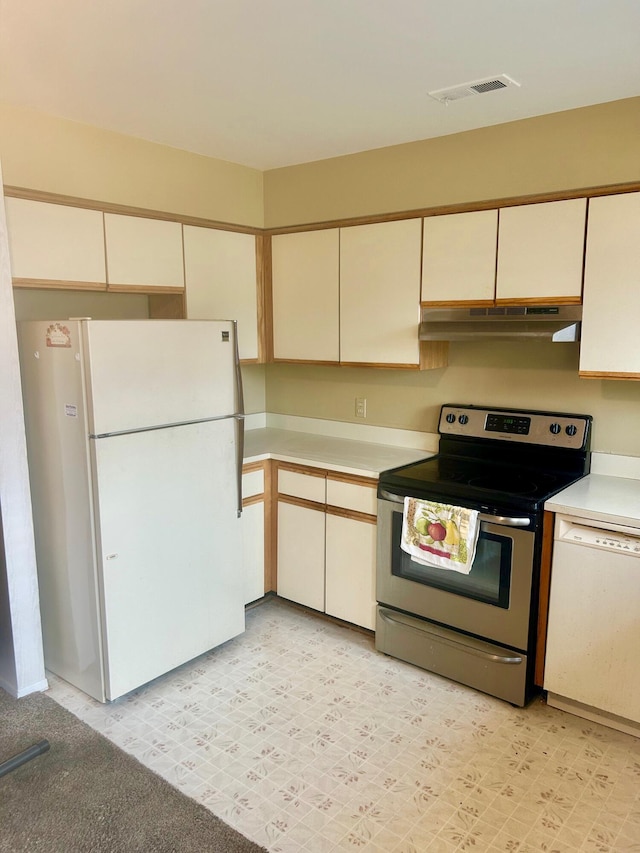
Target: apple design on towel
{"x":437,"y":531}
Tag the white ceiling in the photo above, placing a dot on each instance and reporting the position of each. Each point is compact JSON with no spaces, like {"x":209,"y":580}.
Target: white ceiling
{"x":269,"y":83}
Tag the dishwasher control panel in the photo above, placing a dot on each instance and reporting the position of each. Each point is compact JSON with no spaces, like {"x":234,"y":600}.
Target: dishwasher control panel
{"x":595,"y":537}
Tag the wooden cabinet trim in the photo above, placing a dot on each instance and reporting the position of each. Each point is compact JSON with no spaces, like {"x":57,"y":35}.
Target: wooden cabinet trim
{"x":249,"y":467}
{"x":541,"y":300}
{"x":143,"y":288}
{"x":380,"y":366}
{"x":306,"y":361}
{"x":58,"y":284}
{"x":465,"y":207}
{"x":108,"y":207}
{"x":352,"y":514}
{"x":489,"y":204}
{"x":302,"y":502}
{"x":458,"y":303}
{"x":253,"y":499}
{"x":544,"y":590}
{"x":302,"y":469}
{"x":354,"y":479}
{"x":595,"y":374}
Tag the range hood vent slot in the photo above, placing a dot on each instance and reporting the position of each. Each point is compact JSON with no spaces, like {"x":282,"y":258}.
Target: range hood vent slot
{"x":558,"y":323}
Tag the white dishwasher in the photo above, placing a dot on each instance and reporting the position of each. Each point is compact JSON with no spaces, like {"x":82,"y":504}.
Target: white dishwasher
{"x":593,"y":638}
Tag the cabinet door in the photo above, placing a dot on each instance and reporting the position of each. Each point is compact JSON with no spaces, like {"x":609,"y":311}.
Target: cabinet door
{"x":351,"y":570}
{"x":54,"y":245}
{"x":540,"y":252}
{"x":459,"y":258}
{"x":221,"y":283}
{"x":611,"y":305}
{"x":143,"y":254}
{"x":301,"y":532}
{"x":380,"y":293}
{"x":252,"y":522}
{"x":305,"y":287}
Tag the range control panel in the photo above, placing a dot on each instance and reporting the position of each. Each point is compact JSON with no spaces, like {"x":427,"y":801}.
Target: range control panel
{"x":551,"y":429}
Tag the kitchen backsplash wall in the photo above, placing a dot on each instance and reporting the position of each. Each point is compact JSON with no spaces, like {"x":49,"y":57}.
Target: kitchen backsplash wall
{"x":533,"y":375}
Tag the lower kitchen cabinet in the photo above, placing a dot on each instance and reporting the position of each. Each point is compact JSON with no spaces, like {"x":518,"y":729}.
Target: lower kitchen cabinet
{"x":327,"y":542}
{"x":301,"y":535}
{"x":253,"y":531}
{"x":350,"y":560}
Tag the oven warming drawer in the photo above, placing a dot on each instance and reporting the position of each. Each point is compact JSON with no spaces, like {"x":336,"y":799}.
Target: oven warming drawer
{"x":484,"y":666}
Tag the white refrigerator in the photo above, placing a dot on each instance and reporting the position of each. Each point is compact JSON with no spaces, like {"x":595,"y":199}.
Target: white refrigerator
{"x":135,"y":441}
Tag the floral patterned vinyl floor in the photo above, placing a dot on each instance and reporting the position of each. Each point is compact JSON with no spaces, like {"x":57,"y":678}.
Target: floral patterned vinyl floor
{"x":306,"y":740}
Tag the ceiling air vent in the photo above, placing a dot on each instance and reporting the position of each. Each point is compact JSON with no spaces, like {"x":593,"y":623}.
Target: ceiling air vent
{"x":475,"y":87}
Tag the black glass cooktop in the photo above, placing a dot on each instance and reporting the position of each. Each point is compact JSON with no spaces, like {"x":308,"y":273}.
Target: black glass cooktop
{"x":450,"y":478}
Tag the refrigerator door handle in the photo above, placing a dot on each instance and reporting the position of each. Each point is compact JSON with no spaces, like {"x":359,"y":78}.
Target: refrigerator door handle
{"x":239,"y":417}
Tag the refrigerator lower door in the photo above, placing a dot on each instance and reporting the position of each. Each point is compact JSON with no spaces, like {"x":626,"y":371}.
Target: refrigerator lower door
{"x":169,"y":548}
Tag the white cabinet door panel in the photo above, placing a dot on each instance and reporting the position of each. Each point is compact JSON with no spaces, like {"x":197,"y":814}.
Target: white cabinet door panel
{"x":143,"y":252}
{"x":540,"y":250}
{"x":380,"y":292}
{"x":54,"y":242}
{"x":350,"y":570}
{"x":611,"y":304}
{"x":459,"y":257}
{"x":252,"y":522}
{"x":301,"y":534}
{"x":220,"y":275}
{"x":305,"y":285}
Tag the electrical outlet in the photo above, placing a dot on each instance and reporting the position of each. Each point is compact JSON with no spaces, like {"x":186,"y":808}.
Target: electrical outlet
{"x":361,"y":407}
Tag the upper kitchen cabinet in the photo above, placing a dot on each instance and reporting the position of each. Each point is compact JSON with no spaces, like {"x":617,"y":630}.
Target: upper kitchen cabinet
{"x":143,"y":254}
{"x":221,"y":282}
{"x":305,"y":288}
{"x":459,"y":258}
{"x":540,"y":253}
{"x":55,"y":245}
{"x":380,"y":293}
{"x":611,"y":304}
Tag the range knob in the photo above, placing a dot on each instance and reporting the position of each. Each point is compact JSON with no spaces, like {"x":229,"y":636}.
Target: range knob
{"x":572,"y":429}
{"x":451,"y":418}
{"x":555,"y":428}
{"x":463,"y":419}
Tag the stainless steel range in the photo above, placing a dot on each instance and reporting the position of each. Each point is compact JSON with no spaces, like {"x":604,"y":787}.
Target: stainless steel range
{"x":477,"y":628}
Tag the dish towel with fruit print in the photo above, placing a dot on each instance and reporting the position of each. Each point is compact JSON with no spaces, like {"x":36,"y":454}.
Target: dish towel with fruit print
{"x":440,"y":535}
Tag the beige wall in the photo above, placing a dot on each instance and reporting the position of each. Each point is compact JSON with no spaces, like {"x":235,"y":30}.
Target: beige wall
{"x":54,"y":155}
{"x":563,"y":151}
{"x":531,"y":375}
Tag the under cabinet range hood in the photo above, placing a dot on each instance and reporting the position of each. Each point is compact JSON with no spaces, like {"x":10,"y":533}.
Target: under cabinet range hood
{"x":559,"y":323}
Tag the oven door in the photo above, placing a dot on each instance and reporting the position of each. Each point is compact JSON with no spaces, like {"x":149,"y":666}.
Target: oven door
{"x":492,"y":602}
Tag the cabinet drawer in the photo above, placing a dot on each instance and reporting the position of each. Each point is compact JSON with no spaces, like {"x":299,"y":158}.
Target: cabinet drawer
{"x":252,"y":483}
{"x":302,"y":485}
{"x":360,"y":498}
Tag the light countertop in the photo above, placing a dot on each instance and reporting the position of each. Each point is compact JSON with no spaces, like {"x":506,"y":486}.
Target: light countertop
{"x":600,"y":497}
{"x":350,"y":456}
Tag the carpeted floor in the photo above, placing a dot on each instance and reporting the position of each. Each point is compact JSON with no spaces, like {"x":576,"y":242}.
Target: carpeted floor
{"x":85,"y":794}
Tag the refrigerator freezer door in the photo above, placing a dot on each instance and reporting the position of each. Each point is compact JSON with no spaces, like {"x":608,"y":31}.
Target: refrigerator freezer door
{"x":145,"y":373}
{"x":170,"y":548}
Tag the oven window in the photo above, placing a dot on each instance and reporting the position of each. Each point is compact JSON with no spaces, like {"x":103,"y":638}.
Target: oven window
{"x":489,"y":579}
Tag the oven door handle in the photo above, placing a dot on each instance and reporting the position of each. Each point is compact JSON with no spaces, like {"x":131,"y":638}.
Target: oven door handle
{"x":504,"y":520}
